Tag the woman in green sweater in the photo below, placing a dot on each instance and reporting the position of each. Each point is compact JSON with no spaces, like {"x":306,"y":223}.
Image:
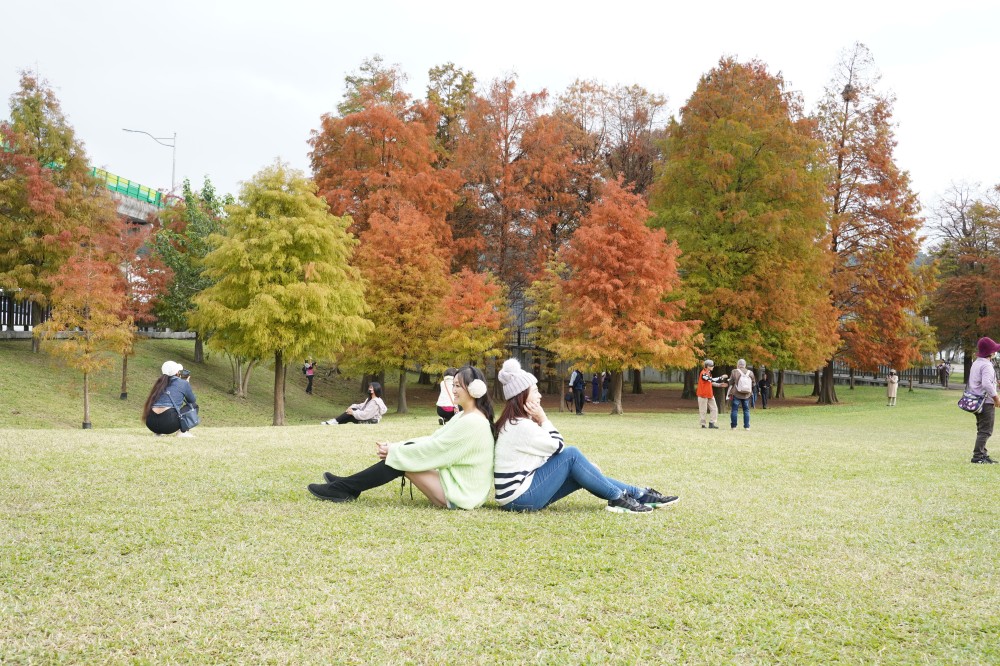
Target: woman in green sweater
{"x":453,"y":467}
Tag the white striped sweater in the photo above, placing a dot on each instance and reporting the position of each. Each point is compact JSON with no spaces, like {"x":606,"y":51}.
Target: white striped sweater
{"x":522,"y":447}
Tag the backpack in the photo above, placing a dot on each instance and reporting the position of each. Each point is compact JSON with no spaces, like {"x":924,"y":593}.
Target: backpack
{"x":744,"y":384}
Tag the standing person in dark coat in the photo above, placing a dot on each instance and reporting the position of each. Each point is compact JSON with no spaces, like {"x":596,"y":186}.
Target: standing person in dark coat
{"x":764,"y":384}
{"x":595,"y":388}
{"x":576,"y":383}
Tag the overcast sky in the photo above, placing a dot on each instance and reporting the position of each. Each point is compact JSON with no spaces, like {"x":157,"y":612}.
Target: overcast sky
{"x":242,"y":83}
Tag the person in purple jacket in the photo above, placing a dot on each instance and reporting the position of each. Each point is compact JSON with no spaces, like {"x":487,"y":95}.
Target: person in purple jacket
{"x":983,"y":381}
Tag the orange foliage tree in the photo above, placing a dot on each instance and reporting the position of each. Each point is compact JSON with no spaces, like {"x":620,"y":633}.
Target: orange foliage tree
{"x":88,"y":311}
{"x":379,"y":153}
{"x":874,"y":223}
{"x":525,"y":186}
{"x":610,"y":303}
{"x":406,"y":272}
{"x":475,"y":316}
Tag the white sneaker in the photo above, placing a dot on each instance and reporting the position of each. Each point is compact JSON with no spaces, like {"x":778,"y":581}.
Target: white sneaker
{"x":331,"y":422}
{"x":185,"y":434}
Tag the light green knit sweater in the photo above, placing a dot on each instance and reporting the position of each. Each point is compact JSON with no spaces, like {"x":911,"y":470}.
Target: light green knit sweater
{"x":461,"y":451}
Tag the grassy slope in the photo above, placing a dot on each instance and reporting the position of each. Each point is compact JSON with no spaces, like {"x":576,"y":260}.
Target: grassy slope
{"x":852,"y":534}
{"x":36,"y":392}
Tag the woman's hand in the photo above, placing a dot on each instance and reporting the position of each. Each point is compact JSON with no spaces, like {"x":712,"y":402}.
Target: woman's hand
{"x":535,"y":411}
{"x":382,"y":449}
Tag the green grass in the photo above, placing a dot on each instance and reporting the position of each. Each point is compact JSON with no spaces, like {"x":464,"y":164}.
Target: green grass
{"x":37,"y":392}
{"x":847,"y":534}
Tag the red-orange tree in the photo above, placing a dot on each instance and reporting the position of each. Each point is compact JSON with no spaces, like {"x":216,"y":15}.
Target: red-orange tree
{"x":47,"y":231}
{"x":964,"y":306}
{"x":874,"y":221}
{"x":742,"y":193}
{"x":610,"y":304}
{"x":379,"y":153}
{"x":525,"y":188}
{"x":475,"y":316}
{"x":88,"y":311}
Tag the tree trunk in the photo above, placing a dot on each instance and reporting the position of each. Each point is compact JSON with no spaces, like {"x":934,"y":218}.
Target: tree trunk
{"x":424,"y":379}
{"x":850,"y":374}
{"x":36,"y":319}
{"x":617,"y":379}
{"x":124,"y":392}
{"x":637,"y":381}
{"x":690,"y":390}
{"x":199,"y":348}
{"x":827,"y":393}
{"x":236,"y":366}
{"x":816,"y":384}
{"x":279,"y":389}
{"x":401,"y":395}
{"x":779,"y":388}
{"x":967,"y":365}
{"x":86,"y":401}
{"x":245,"y":381}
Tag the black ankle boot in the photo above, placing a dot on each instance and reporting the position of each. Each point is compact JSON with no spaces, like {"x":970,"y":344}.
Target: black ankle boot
{"x":377,"y":475}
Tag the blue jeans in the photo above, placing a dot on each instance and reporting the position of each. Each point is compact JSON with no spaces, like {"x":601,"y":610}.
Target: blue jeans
{"x":745,"y":403}
{"x":565,"y":473}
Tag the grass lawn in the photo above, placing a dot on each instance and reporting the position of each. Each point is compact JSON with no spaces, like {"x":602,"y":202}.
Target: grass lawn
{"x":850,"y":534}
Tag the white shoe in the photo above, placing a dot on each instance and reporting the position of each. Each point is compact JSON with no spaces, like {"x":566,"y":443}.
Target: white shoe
{"x":185,"y":434}
{"x":331,"y":422}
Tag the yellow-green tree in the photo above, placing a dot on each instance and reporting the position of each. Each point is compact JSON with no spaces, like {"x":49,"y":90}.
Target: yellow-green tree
{"x":742,"y":193}
{"x":283,"y":285}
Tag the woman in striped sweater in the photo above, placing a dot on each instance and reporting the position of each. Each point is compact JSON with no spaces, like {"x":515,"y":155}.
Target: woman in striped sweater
{"x":453,"y":466}
{"x":533,"y":468}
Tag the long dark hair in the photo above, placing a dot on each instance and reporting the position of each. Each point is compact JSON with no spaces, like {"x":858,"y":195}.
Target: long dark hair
{"x":513,"y":411}
{"x":158,"y":388}
{"x":469,"y":374}
{"x":377,"y":388}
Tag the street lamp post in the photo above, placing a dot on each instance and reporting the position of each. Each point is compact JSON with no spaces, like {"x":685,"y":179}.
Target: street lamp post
{"x":172,"y":145}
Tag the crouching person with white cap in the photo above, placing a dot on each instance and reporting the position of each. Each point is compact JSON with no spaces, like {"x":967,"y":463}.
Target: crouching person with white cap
{"x":534,"y":469}
{"x":170,"y":396}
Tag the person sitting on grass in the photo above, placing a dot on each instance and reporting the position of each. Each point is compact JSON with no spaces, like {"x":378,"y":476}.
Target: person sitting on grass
{"x":534,"y":469}
{"x":453,"y":466}
{"x":369,"y":411}
{"x":170,"y":394}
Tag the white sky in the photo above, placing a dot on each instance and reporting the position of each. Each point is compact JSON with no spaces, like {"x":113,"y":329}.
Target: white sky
{"x":242,"y":83}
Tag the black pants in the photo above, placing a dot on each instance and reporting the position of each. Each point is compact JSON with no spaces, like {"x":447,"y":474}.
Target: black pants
{"x":984,"y":429}
{"x":445,"y":414}
{"x":346,"y":418}
{"x":763,"y":396}
{"x":377,"y":475}
{"x":309,"y":386}
{"x":578,"y":400}
{"x":166,"y":423}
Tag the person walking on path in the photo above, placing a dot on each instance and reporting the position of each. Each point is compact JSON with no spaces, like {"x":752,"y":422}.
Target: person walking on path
{"x":764,"y":384}
{"x":983,"y":381}
{"x":706,"y":394}
{"x":891,"y":388}
{"x":741,"y":383}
